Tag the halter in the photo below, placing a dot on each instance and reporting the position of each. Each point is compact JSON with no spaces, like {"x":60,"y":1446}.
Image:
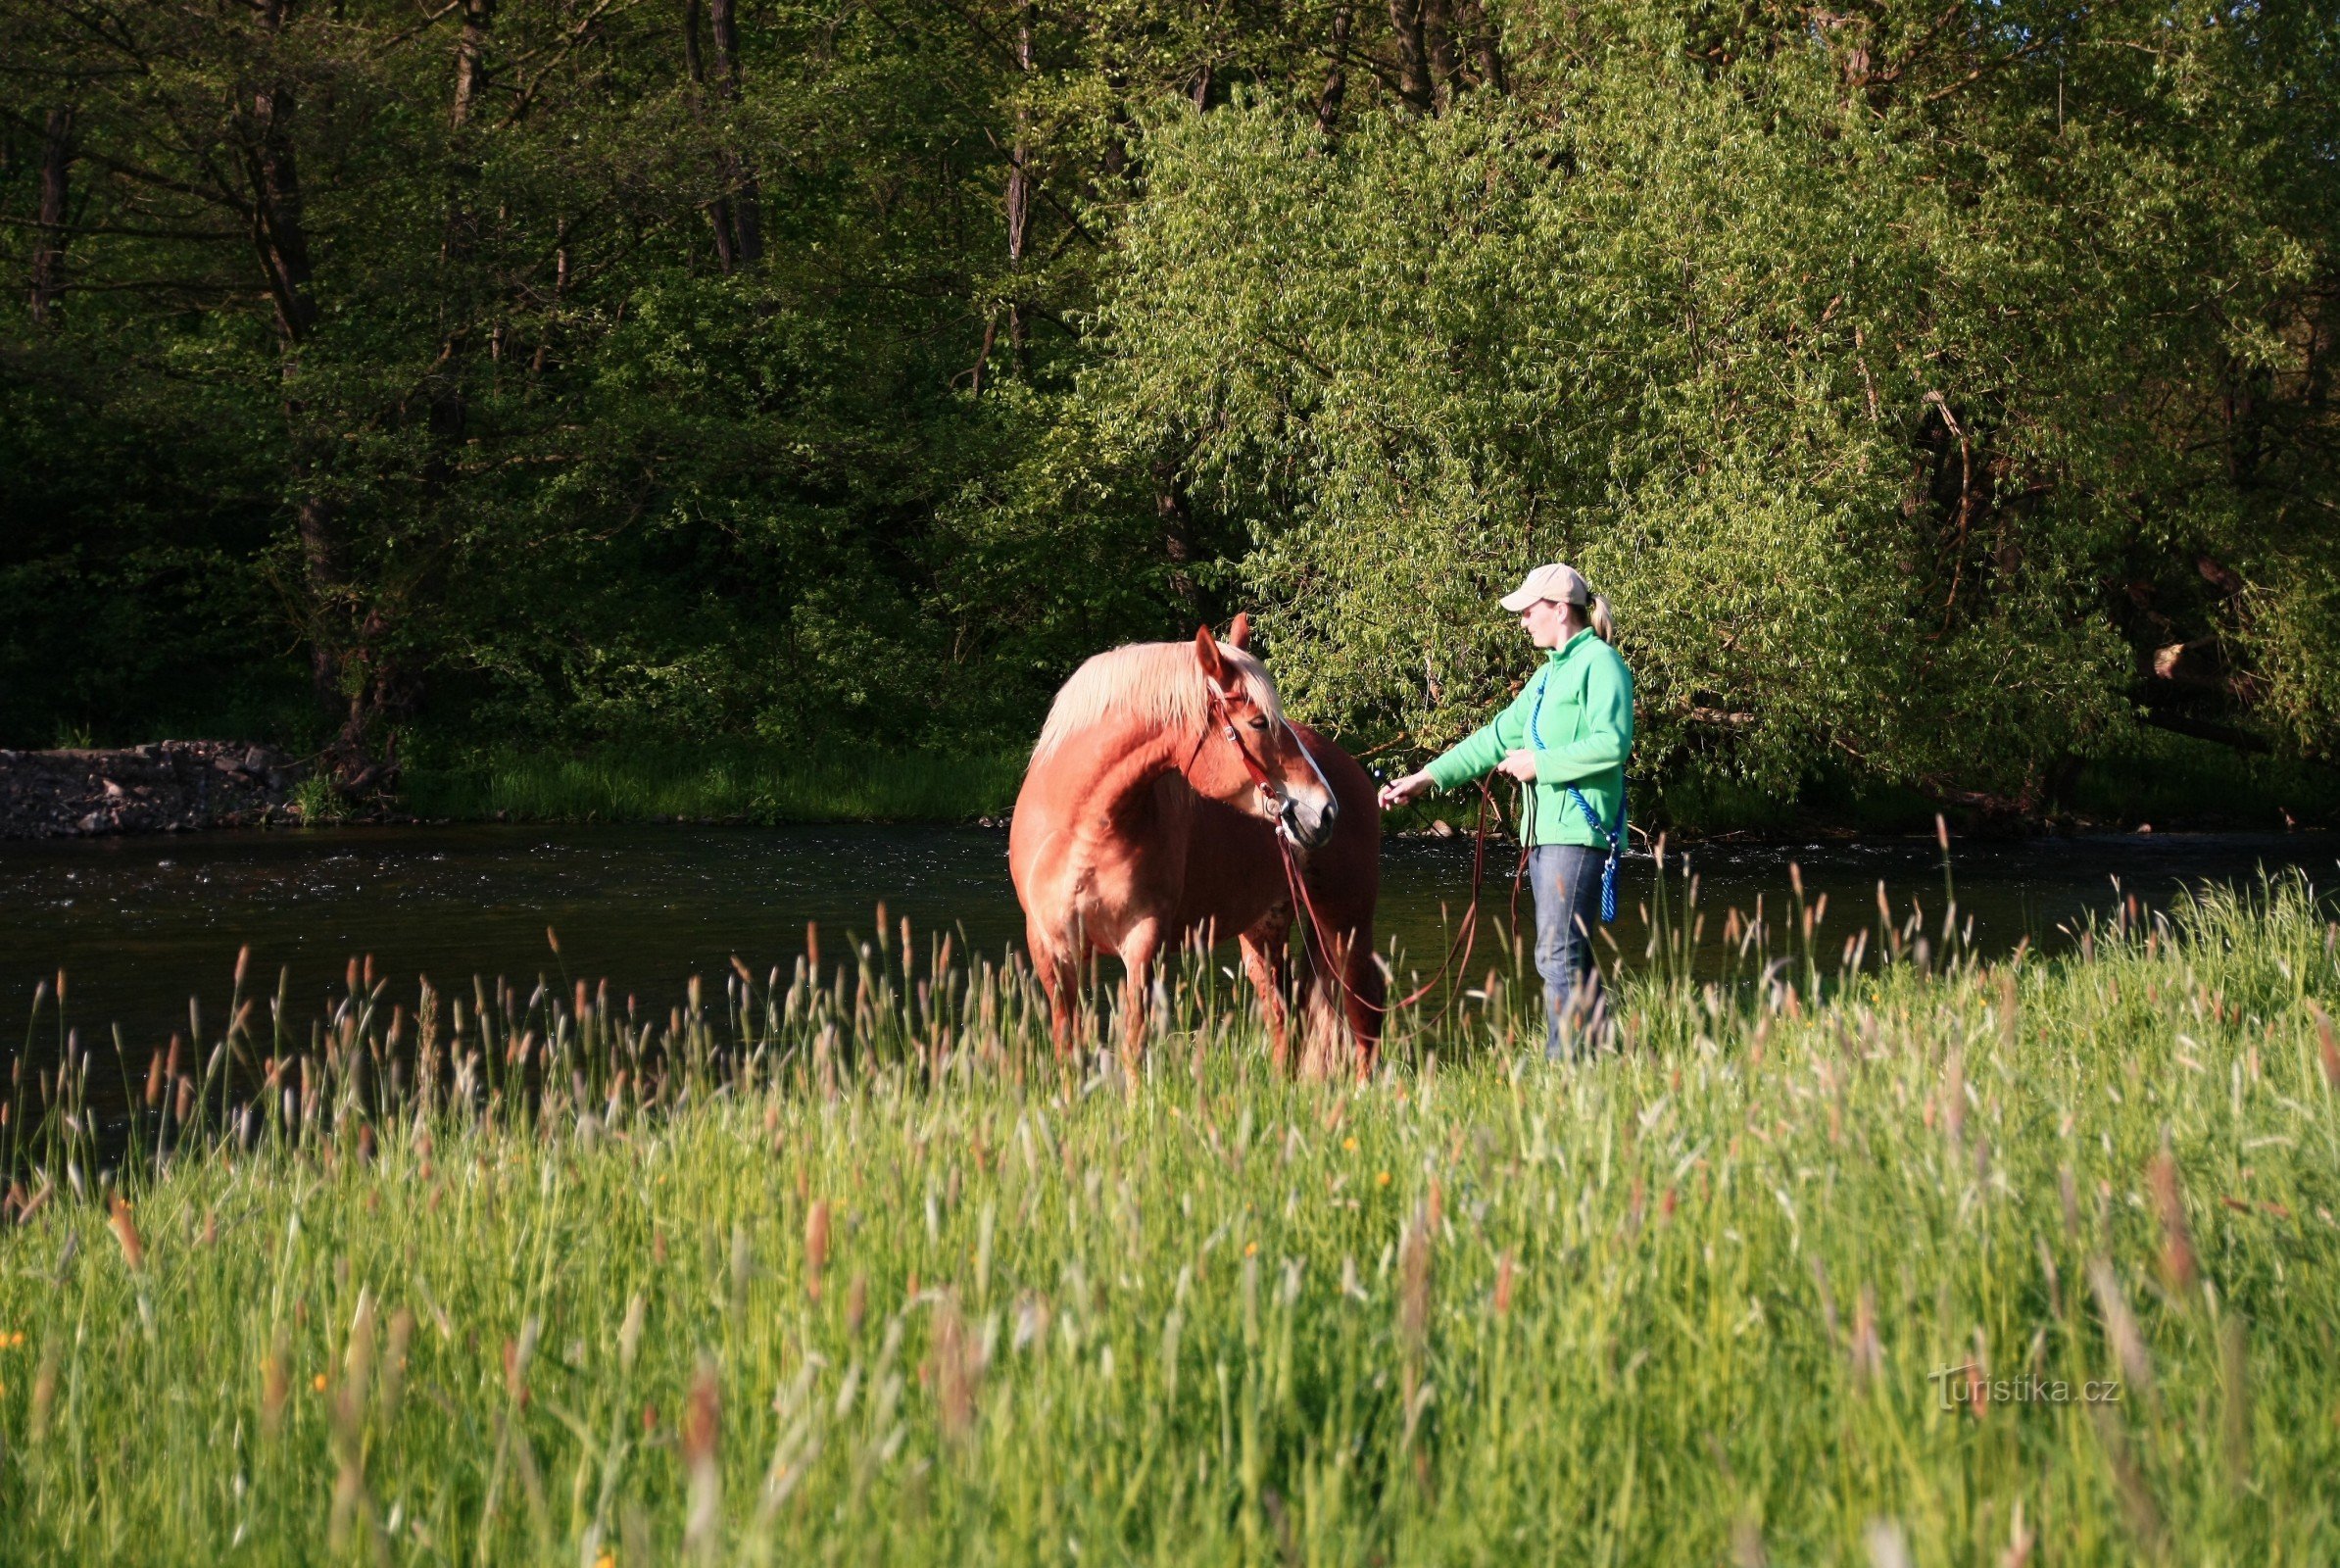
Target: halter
{"x":1269,"y":792}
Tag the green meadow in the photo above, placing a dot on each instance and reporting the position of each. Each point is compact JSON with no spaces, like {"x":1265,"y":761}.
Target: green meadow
{"x":1869,"y":1252}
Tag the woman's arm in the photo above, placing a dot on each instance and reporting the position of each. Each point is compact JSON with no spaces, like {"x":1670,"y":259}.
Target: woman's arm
{"x":1474,"y":756}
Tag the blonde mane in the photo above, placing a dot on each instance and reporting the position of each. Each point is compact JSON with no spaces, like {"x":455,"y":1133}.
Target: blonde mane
{"x":1159,"y":682}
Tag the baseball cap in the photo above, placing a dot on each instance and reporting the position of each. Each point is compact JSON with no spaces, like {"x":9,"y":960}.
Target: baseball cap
{"x":1562,"y":584}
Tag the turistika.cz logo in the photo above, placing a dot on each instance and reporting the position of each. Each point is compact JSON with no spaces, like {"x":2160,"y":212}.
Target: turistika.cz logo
{"x":1960,"y":1387}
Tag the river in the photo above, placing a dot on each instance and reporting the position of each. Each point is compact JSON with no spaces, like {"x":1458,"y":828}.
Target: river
{"x":142,"y":924}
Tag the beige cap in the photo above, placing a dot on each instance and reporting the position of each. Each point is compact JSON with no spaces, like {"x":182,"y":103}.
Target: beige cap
{"x":1561,"y":584}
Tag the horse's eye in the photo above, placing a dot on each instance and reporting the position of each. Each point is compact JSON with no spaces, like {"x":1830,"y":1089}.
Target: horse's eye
{"x":1259,"y":723}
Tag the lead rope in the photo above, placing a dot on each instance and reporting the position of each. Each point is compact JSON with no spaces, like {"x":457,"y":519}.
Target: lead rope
{"x":1615,"y":836}
{"x":1312,"y":935}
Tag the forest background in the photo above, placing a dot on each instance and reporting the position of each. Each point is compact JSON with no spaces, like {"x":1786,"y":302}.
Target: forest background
{"x":1942,"y":389}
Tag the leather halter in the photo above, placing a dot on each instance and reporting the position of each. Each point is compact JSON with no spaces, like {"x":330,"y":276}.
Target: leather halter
{"x":1277,"y":800}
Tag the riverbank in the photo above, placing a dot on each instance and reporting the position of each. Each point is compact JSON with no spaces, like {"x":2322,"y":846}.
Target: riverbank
{"x":725,"y":781}
{"x":2162,"y":781}
{"x":2034,"y":1261}
{"x":165,"y":787}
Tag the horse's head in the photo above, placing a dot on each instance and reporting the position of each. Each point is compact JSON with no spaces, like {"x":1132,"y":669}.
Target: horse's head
{"x":1286,"y":787}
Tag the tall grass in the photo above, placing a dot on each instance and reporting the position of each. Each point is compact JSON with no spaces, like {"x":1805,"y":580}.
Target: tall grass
{"x":725,"y":781}
{"x":842,"y":1264}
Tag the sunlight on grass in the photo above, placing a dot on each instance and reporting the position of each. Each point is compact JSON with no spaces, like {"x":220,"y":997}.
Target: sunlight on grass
{"x":843,"y":1263}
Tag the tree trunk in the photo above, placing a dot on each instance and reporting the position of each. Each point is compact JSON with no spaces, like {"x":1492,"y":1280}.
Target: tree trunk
{"x":1019,"y":199}
{"x":718,"y":210}
{"x":542,"y":359}
{"x":1485,"y":44}
{"x":471,"y":61}
{"x":278,"y":231}
{"x":48,"y":246}
{"x":354,"y":684}
{"x":447,"y":412}
{"x":1178,"y":535}
{"x":746,"y":215}
{"x":315,"y":526}
{"x":1328,"y":101}
{"x":1437,"y":38}
{"x":1413,"y":54}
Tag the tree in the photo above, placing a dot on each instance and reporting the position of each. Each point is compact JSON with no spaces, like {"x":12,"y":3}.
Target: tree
{"x":1860,"y":367}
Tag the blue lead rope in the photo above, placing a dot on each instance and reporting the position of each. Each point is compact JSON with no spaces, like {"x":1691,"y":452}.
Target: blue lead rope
{"x":1615,"y":836}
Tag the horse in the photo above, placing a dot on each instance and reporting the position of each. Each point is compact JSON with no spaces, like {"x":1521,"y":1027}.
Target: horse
{"x":1149,"y":819}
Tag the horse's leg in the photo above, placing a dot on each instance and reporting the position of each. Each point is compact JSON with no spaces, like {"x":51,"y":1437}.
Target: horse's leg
{"x":1365,"y":996}
{"x":1138,"y":950}
{"x":1062,"y":978}
{"x":1054,"y":962}
{"x":1264,"y":960}
{"x":1347,"y":965}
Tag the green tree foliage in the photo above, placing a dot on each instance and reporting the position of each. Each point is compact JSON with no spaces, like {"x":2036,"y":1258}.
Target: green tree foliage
{"x":601,"y":368}
{"x":1933,"y":387}
{"x":1907,"y":378}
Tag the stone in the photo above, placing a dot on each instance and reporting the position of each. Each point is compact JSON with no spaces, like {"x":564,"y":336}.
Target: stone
{"x":165,"y":785}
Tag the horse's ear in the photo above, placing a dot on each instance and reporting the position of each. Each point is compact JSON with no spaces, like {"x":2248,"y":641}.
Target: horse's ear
{"x":1206,"y":653}
{"x":1238,"y":635}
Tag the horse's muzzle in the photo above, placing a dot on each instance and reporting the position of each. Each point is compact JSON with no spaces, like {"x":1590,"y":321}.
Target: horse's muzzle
{"x":1307,"y":824}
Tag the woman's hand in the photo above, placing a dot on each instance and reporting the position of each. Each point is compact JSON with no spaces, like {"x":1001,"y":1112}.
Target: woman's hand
{"x":1520,"y":765}
{"x":1397,"y":794}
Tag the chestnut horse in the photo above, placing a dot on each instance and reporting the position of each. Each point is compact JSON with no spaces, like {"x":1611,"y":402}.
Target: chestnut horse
{"x":1149,"y":820}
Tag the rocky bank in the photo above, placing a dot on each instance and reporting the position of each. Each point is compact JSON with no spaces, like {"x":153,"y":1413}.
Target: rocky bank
{"x":167,"y":787}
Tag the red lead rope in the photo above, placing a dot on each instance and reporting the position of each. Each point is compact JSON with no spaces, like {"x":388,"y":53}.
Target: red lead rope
{"x":1466,"y":934}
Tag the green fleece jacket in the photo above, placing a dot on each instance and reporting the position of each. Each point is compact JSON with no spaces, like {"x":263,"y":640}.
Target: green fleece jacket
{"x":1576,"y":716}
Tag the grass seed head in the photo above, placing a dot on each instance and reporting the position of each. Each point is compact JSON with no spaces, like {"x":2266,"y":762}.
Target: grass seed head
{"x":44,"y":1392}
{"x":816,"y":1241}
{"x":2168,"y":1204}
{"x":956,"y":1371}
{"x":125,"y":1231}
{"x":276,"y":1381}
{"x":1866,"y":1351}
{"x":2120,"y":1326}
{"x":394,"y":1360}
{"x":629,"y":1332}
{"x":701,"y":1437}
{"x":2329,"y":1043}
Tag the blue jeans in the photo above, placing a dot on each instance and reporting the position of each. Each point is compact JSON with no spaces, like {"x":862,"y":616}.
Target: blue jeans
{"x":1566,"y":878}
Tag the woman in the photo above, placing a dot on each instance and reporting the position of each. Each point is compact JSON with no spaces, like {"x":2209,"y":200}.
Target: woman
{"x":1567,"y":735}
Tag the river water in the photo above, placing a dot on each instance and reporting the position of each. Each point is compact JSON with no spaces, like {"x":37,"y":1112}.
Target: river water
{"x":139,"y":925}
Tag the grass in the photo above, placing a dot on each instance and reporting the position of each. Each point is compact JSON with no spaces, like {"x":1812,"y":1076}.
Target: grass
{"x":742,"y":781}
{"x":856,"y":1271}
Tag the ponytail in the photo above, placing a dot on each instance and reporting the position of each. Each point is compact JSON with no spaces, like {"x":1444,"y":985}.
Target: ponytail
{"x":1604,"y":625}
